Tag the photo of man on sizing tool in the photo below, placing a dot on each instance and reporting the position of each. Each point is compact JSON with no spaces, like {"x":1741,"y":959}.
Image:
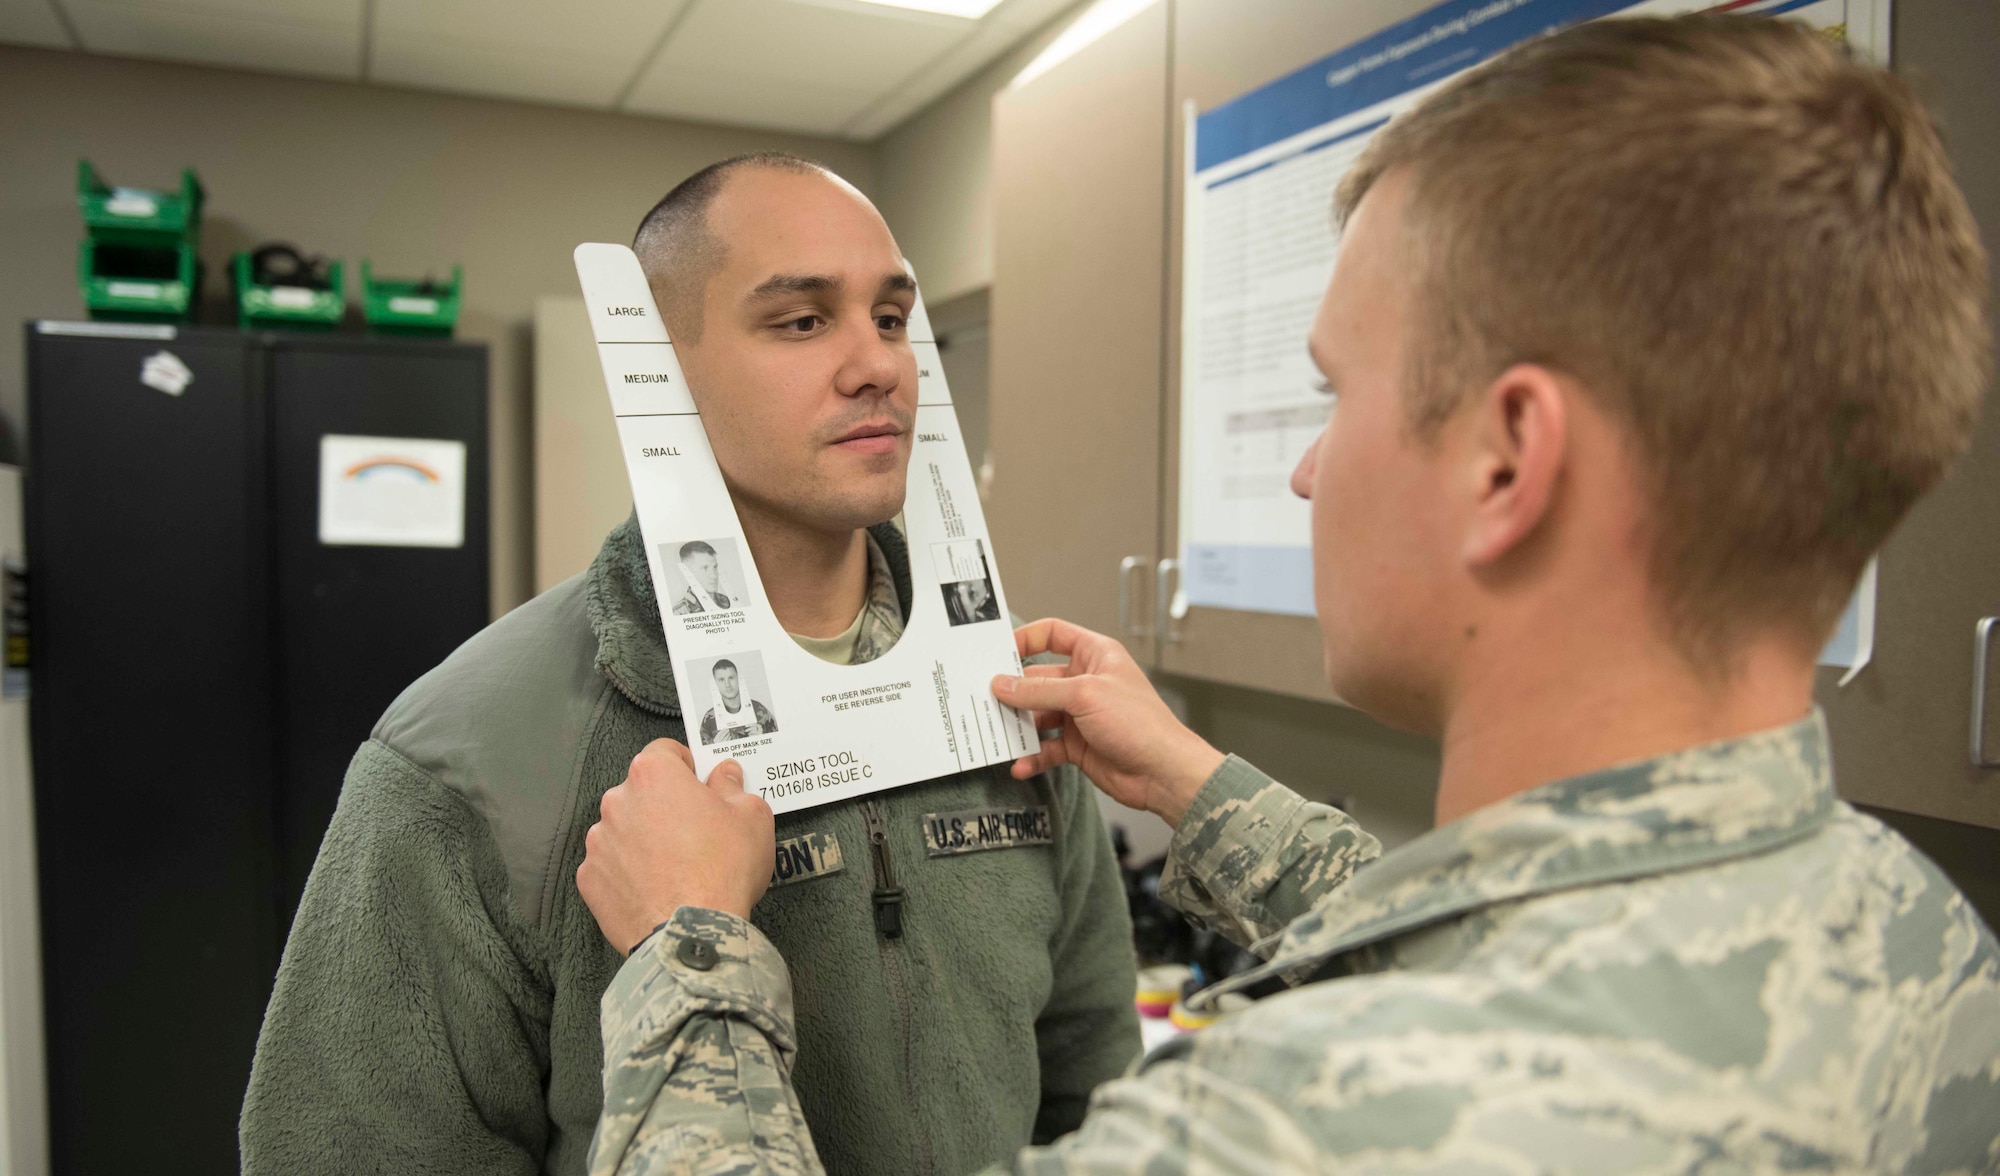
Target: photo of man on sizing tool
{"x":735,"y":715}
{"x":967,"y":581}
{"x":968,"y":601}
{"x":700,"y":569}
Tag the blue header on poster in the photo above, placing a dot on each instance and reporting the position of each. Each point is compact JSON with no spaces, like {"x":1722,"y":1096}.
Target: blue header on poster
{"x":1430,"y":45}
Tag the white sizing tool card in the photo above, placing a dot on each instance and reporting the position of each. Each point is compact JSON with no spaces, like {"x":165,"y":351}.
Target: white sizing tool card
{"x":807,"y":732}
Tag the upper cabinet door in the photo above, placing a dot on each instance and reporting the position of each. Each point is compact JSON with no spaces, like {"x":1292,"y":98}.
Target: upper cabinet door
{"x":1080,"y":174}
{"x":1902,"y":729}
{"x":1223,"y":49}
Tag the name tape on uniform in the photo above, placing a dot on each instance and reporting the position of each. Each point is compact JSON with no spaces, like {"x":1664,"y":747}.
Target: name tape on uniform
{"x":973,"y":830}
{"x":801,"y":859}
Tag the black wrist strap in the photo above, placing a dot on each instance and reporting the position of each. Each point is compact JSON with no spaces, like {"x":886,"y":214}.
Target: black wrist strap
{"x":648,"y":935}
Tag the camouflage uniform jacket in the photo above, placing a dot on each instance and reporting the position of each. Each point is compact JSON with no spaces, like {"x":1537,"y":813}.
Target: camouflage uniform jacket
{"x":1702,"y":962}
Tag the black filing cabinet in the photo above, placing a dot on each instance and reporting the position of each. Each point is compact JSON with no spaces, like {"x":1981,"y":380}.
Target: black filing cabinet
{"x":204,"y":667}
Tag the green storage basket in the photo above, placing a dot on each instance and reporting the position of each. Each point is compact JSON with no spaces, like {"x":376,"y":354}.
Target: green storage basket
{"x":288,"y":307}
{"x":140,"y":254}
{"x":137,"y":216}
{"x":401,"y":306}
{"x":136,"y":283}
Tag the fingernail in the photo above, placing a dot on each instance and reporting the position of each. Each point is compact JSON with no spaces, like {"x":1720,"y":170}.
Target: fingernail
{"x":732,"y":772}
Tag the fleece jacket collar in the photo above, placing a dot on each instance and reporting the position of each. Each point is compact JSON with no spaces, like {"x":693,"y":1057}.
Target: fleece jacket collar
{"x":625,"y":614}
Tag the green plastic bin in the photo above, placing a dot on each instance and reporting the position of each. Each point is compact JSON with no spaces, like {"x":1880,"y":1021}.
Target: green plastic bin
{"x":288,"y":307}
{"x":401,"y":306}
{"x":136,"y":283}
{"x":138,"y":216}
{"x":140,"y":254}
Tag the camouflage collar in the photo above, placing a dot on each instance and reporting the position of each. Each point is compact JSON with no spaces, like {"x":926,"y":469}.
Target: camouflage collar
{"x":625,"y":616}
{"x":882,"y":612}
{"x":1731,"y":799}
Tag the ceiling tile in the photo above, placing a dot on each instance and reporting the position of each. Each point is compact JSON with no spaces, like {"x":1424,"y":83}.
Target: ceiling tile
{"x":31,"y":22}
{"x":1002,"y":29}
{"x":872,"y":9}
{"x":582,"y":52}
{"x":720,"y":95}
{"x":343,"y":11}
{"x":778,"y":63}
{"x":318,"y":37}
{"x":935,"y":79}
{"x":832,"y":67}
{"x":1028,"y":15}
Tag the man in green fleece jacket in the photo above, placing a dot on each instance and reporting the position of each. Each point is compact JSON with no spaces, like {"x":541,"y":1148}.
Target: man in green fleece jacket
{"x":437,"y":1008}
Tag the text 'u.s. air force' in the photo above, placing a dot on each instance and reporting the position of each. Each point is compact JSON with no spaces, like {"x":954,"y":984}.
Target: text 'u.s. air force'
{"x":971,"y":830}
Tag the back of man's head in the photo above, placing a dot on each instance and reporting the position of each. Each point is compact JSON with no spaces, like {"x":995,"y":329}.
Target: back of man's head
{"x":679,"y":251}
{"x":1749,"y":248}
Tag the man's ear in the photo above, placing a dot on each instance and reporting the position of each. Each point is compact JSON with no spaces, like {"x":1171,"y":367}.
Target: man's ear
{"x":1520,"y":435}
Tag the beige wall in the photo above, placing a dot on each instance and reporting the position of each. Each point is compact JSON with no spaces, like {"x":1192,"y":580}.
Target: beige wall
{"x":934,"y":176}
{"x":412,"y":181}
{"x":581,"y":491}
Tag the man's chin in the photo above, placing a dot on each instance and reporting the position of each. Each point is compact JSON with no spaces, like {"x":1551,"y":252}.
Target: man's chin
{"x":831,"y":517}
{"x":829,"y":500}
{"x":858,"y":502}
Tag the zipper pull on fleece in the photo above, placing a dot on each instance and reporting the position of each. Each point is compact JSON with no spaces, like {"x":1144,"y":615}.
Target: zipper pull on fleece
{"x":888,"y":896}
{"x":889,"y":911}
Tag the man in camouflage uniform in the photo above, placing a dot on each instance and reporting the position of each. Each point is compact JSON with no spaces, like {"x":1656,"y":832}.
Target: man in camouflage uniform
{"x":1645,"y":335}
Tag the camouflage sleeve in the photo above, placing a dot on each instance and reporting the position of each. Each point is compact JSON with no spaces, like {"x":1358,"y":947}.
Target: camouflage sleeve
{"x":1173,"y":1118}
{"x":1251,"y":855}
{"x":698,"y":1049}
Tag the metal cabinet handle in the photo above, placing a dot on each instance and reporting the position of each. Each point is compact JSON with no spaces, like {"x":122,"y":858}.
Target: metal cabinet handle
{"x":1982,"y":642}
{"x":1126,"y":567}
{"x":1163,"y":575}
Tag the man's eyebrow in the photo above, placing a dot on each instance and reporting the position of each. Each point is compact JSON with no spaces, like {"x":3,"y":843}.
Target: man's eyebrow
{"x":898,"y":284}
{"x":778,"y":284}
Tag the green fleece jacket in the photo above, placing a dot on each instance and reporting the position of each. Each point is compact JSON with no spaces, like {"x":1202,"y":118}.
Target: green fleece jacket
{"x":437,"y":1007}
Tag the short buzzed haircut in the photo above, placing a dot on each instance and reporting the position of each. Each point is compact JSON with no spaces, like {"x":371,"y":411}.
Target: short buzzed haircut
{"x":721,"y":665}
{"x":678,"y":250}
{"x":1749,"y":248}
{"x":697,"y":547}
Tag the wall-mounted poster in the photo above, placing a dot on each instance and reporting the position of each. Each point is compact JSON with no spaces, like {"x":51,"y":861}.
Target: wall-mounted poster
{"x":1259,"y":247}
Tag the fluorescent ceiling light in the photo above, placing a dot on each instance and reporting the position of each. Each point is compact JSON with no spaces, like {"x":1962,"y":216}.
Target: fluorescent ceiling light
{"x":1100,"y":19}
{"x":969,"y":9}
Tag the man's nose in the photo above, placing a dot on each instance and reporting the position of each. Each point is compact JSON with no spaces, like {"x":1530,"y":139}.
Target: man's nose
{"x":1302,"y":473}
{"x":871,"y":364}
